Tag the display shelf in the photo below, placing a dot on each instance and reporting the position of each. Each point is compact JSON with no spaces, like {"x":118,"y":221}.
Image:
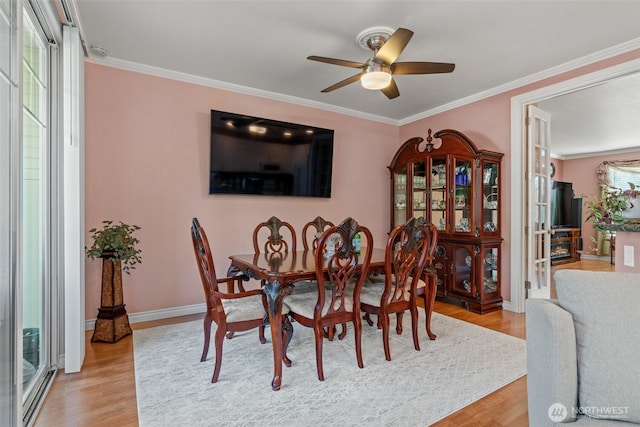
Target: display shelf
{"x":459,"y":186}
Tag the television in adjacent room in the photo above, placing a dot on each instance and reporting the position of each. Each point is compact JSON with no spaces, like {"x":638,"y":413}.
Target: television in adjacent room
{"x":566,"y":210}
{"x":253,"y":155}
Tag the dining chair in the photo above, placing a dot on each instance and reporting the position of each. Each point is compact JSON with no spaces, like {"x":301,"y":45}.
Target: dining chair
{"x":409,"y":249}
{"x":232,"y":312}
{"x":275,"y":242}
{"x":339,"y":278}
{"x":319,"y":224}
{"x":310,"y":243}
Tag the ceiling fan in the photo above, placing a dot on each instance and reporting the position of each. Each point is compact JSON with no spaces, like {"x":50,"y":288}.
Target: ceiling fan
{"x":377,"y":73}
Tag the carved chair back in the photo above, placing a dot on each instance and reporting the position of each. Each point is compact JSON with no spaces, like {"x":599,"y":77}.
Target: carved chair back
{"x":345,"y":268}
{"x":410,"y":248}
{"x":206,"y":268}
{"x":275,"y":241}
{"x":317,"y":226}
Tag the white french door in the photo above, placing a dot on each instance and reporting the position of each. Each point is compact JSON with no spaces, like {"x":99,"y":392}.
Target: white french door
{"x":538,"y":230}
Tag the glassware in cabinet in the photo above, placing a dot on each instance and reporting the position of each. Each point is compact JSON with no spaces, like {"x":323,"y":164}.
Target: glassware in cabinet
{"x":438,"y":194}
{"x":490,"y":262}
{"x":490,"y":197}
{"x":419,"y":194}
{"x":463,"y":195}
{"x":400,"y":197}
{"x":462,"y":269}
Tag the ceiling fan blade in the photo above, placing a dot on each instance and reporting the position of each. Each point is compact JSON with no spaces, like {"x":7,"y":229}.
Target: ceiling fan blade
{"x":391,"y":91}
{"x":392,"y":48}
{"x":342,"y":83}
{"x":334,"y":61}
{"x":421,"y":67}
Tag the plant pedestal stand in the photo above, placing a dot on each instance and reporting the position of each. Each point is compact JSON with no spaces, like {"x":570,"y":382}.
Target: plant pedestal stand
{"x":112,"y":323}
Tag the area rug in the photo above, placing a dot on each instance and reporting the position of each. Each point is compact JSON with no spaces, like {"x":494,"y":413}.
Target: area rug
{"x":416,"y":388}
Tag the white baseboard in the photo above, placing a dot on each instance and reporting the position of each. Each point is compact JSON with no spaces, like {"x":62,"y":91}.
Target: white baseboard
{"x":606,"y":258}
{"x":506,"y":305}
{"x":163,"y":313}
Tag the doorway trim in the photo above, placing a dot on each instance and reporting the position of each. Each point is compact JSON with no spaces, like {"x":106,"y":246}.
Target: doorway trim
{"x":518,"y":138}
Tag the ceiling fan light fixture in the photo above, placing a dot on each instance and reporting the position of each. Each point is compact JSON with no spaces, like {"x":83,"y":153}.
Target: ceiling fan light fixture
{"x":376,"y":76}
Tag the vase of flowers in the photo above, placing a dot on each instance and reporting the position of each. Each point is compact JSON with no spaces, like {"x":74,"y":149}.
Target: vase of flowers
{"x":614,"y":206}
{"x":631,"y":213}
{"x":117,"y":247}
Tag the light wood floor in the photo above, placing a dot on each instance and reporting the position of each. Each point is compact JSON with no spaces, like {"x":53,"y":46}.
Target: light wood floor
{"x":104,"y":392}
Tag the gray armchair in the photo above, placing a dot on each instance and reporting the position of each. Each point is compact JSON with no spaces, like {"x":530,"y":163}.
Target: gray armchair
{"x":583,"y":351}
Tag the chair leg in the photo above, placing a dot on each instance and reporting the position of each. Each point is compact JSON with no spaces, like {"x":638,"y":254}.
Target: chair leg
{"x":368,"y":319}
{"x":265,"y":321}
{"x":357,"y":327}
{"x":219,"y":340}
{"x":319,"y":333}
{"x":287,"y":334}
{"x":344,"y":332}
{"x":399,"y":316}
{"x":207,"y":336}
{"x":383,"y":323}
{"x":414,"y":326}
{"x":429,"y":302}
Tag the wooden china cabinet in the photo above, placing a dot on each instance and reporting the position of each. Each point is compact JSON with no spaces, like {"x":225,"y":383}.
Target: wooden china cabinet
{"x":451,"y":183}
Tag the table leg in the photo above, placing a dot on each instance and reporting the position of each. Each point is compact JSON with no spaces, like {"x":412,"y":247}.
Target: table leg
{"x":275,"y":292}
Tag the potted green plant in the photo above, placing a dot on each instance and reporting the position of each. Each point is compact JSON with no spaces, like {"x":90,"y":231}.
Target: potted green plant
{"x":631,"y":213}
{"x":118,"y":248}
{"x":117,"y":243}
{"x":610,"y":207}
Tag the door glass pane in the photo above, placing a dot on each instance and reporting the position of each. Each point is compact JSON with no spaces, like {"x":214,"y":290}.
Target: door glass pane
{"x":490,"y":262}
{"x":34,"y":208}
{"x":490,"y":197}
{"x":419,"y":197}
{"x":463,"y":196}
{"x":439,"y":193}
{"x":400,"y":197}
{"x":463,"y":269}
{"x":8,"y":392}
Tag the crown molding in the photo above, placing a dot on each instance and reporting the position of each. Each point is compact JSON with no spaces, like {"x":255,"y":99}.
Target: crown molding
{"x":207,"y":82}
{"x":550,"y":72}
{"x":596,"y":154}
{"x":217,"y":84}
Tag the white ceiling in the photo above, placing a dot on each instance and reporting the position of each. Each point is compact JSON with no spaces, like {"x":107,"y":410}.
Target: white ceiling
{"x":598,"y":119}
{"x":261,"y":46}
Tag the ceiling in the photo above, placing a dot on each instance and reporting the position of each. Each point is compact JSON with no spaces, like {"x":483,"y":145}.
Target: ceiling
{"x":261,"y":46}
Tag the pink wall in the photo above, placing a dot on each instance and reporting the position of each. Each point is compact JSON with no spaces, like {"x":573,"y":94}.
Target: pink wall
{"x":582,"y":173}
{"x":147,"y":160}
{"x":147,"y":148}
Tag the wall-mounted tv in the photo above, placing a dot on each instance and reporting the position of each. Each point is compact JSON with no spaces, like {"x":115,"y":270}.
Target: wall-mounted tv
{"x":253,"y":155}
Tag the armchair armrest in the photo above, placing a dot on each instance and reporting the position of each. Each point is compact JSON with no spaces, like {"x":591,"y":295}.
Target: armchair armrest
{"x":552,"y":367}
{"x":231,"y":282}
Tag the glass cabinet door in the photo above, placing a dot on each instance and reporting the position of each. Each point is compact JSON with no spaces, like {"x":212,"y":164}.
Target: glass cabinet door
{"x":490,"y":197}
{"x":463,"y":196}
{"x":440,"y":264}
{"x":463,"y":269}
{"x":419,"y":196}
{"x":438,"y":199}
{"x":490,"y":269}
{"x":400,"y":197}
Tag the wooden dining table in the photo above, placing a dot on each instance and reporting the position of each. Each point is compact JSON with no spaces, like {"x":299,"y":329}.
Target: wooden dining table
{"x":279,"y":272}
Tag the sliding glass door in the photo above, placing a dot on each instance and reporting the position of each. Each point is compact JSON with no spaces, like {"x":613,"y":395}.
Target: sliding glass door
{"x":9,"y":132}
{"x":28,"y":188}
{"x":36,"y":209}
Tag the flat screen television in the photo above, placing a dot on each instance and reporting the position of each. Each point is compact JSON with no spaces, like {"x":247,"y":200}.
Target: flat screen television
{"x":253,"y":155}
{"x":566,"y":210}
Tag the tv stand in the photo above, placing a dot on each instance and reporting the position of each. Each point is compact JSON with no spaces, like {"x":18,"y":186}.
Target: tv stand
{"x":564,"y":245}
